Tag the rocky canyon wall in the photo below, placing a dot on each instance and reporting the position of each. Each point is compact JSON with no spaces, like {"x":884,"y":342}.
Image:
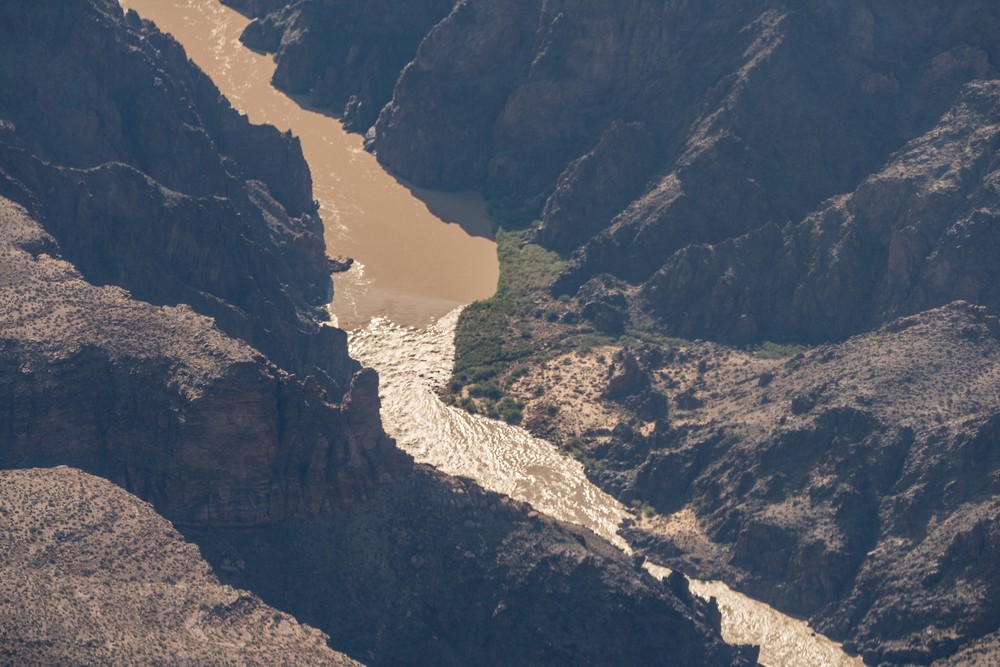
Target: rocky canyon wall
{"x":162,"y":273}
{"x":641,"y":132}
{"x":149,"y":180}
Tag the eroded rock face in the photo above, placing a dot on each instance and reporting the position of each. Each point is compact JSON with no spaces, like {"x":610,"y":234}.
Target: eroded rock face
{"x":101,"y":578}
{"x":149,"y":180}
{"x":855,"y":484}
{"x":472,"y":577}
{"x":343,"y":56}
{"x":918,"y":233}
{"x":162,"y":402}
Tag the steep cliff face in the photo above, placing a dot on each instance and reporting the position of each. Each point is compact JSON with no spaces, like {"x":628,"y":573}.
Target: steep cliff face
{"x":162,"y":402}
{"x":343,"y":56}
{"x":639,"y":128}
{"x":149,"y":180}
{"x":914,"y":235}
{"x":69,"y":578}
{"x":855,"y":484}
{"x":471,"y":578}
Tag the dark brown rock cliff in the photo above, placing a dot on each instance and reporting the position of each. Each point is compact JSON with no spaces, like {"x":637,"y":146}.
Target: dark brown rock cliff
{"x":918,"y":233}
{"x":149,"y":180}
{"x":162,"y":402}
{"x":342,"y":56}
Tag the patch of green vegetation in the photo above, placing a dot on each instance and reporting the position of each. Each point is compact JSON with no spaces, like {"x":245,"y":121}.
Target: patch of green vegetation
{"x":510,"y":410}
{"x":635,"y":337}
{"x":215,"y":604}
{"x":643,"y":508}
{"x":771,"y":350}
{"x":497,"y":331}
{"x":489,"y":389}
{"x":578,"y":450}
{"x":588,"y":341}
{"x":508,"y":215}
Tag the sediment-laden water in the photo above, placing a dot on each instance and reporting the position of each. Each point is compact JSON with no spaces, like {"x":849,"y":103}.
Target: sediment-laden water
{"x":420,"y":256}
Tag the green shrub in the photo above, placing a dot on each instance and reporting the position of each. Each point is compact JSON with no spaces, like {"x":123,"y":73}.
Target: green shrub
{"x":771,"y":350}
{"x":488,"y":389}
{"x":510,"y":410}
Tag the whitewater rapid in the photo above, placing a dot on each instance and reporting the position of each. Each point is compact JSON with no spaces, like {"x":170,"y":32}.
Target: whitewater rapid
{"x":414,"y":365}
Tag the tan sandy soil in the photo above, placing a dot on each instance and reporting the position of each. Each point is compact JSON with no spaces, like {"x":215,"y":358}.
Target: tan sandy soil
{"x":91,"y":575}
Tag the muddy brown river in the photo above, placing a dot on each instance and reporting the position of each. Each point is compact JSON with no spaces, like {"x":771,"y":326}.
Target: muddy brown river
{"x":418,"y":254}
{"x":419,"y":257}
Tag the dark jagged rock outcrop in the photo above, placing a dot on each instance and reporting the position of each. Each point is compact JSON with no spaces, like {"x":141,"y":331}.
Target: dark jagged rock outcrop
{"x":68,"y":582}
{"x":149,"y":180}
{"x":472,"y":578}
{"x":343,"y":56}
{"x":917,"y":234}
{"x":637,"y":129}
{"x":855,"y":484}
{"x":160,"y":401}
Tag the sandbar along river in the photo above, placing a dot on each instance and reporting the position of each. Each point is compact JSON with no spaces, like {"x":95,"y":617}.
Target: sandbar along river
{"x":419,"y":257}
